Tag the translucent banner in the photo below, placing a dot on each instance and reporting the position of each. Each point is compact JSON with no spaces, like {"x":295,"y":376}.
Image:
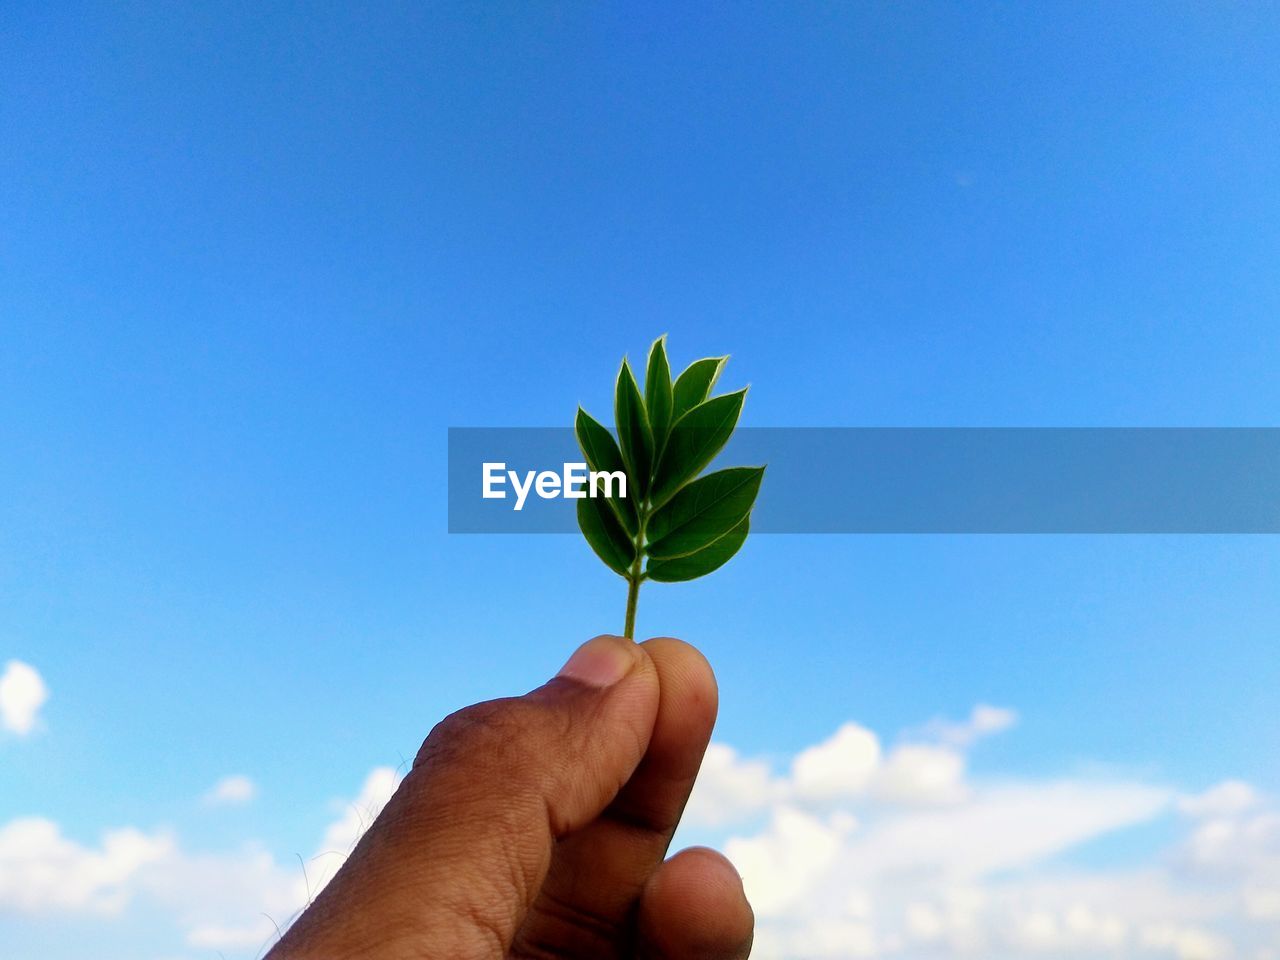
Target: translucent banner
{"x":915,"y":480}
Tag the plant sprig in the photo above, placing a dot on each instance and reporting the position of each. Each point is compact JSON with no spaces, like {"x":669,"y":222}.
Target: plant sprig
{"x":675,"y":522}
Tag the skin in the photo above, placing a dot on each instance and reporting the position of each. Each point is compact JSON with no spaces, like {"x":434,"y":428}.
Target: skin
{"x":537,"y":827}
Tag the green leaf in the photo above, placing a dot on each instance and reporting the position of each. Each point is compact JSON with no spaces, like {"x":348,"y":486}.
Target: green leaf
{"x":635,"y":436}
{"x":695,"y":440}
{"x":704,"y":561}
{"x":658,"y":392}
{"x":703,"y":512}
{"x":602,"y":454}
{"x":694,"y":385}
{"x":605,"y":534}
{"x":665,"y":438}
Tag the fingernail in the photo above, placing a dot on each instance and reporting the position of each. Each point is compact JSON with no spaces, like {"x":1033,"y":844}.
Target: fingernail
{"x":601,"y":662}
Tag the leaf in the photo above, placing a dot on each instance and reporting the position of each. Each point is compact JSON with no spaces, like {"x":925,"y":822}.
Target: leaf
{"x":635,"y":436}
{"x":605,"y":534}
{"x":703,"y":512}
{"x":602,"y":454}
{"x":665,"y":438}
{"x":694,"y":385}
{"x":695,"y":440}
{"x":658,"y":392}
{"x":704,"y":561}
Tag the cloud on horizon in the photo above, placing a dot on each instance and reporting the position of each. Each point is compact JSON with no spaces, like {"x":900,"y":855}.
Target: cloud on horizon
{"x":855,"y":850}
{"x":849,"y":850}
{"x":233,"y":901}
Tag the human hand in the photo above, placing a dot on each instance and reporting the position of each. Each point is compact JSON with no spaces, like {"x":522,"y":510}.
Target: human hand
{"x":536,"y":827}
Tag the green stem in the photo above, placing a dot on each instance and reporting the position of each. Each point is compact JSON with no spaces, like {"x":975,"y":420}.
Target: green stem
{"x":633,"y":595}
{"x":635,"y":578}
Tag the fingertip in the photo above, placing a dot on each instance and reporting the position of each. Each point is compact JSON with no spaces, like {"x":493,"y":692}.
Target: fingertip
{"x":602,"y":661}
{"x":694,"y":905}
{"x":702,"y":871}
{"x":684,"y":665}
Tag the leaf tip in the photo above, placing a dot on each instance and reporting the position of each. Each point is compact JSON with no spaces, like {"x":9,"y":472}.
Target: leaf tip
{"x":624,"y":369}
{"x":658,"y":347}
{"x":721,"y":363}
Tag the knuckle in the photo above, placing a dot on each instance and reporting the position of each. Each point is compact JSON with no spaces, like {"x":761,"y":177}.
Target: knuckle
{"x":494,"y":732}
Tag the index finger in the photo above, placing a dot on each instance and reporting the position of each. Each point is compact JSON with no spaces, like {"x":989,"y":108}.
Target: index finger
{"x":598,"y":872}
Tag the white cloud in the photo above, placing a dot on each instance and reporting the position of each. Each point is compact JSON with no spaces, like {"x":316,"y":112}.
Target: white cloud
{"x":847,"y":850}
{"x":908,"y":878}
{"x":226,"y":900}
{"x":235,"y":790}
{"x":42,"y":871}
{"x":229,"y":901}
{"x":983,"y":721}
{"x":849,"y":765}
{"x":1263,"y":902}
{"x":1001,"y":827}
{"x":1249,"y":842}
{"x":22,"y":693}
{"x":841,"y":766}
{"x":1225,"y":799}
{"x":341,"y":835}
{"x":218,"y":936}
{"x":730,"y":789}
{"x":783,"y":863}
{"x":857,"y":851}
{"x":1185,"y":943}
{"x":240,"y":900}
{"x":921,"y":774}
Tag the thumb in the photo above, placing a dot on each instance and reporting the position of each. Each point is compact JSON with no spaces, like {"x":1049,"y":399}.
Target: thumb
{"x":452,"y":864}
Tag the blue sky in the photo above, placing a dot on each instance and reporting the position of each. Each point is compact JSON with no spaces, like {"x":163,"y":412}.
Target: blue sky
{"x":255,"y":261}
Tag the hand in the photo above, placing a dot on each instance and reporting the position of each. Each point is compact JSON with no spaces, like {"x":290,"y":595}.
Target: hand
{"x":536,"y":828}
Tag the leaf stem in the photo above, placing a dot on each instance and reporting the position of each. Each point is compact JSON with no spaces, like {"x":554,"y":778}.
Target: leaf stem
{"x":633,"y":595}
{"x":635,"y":578}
